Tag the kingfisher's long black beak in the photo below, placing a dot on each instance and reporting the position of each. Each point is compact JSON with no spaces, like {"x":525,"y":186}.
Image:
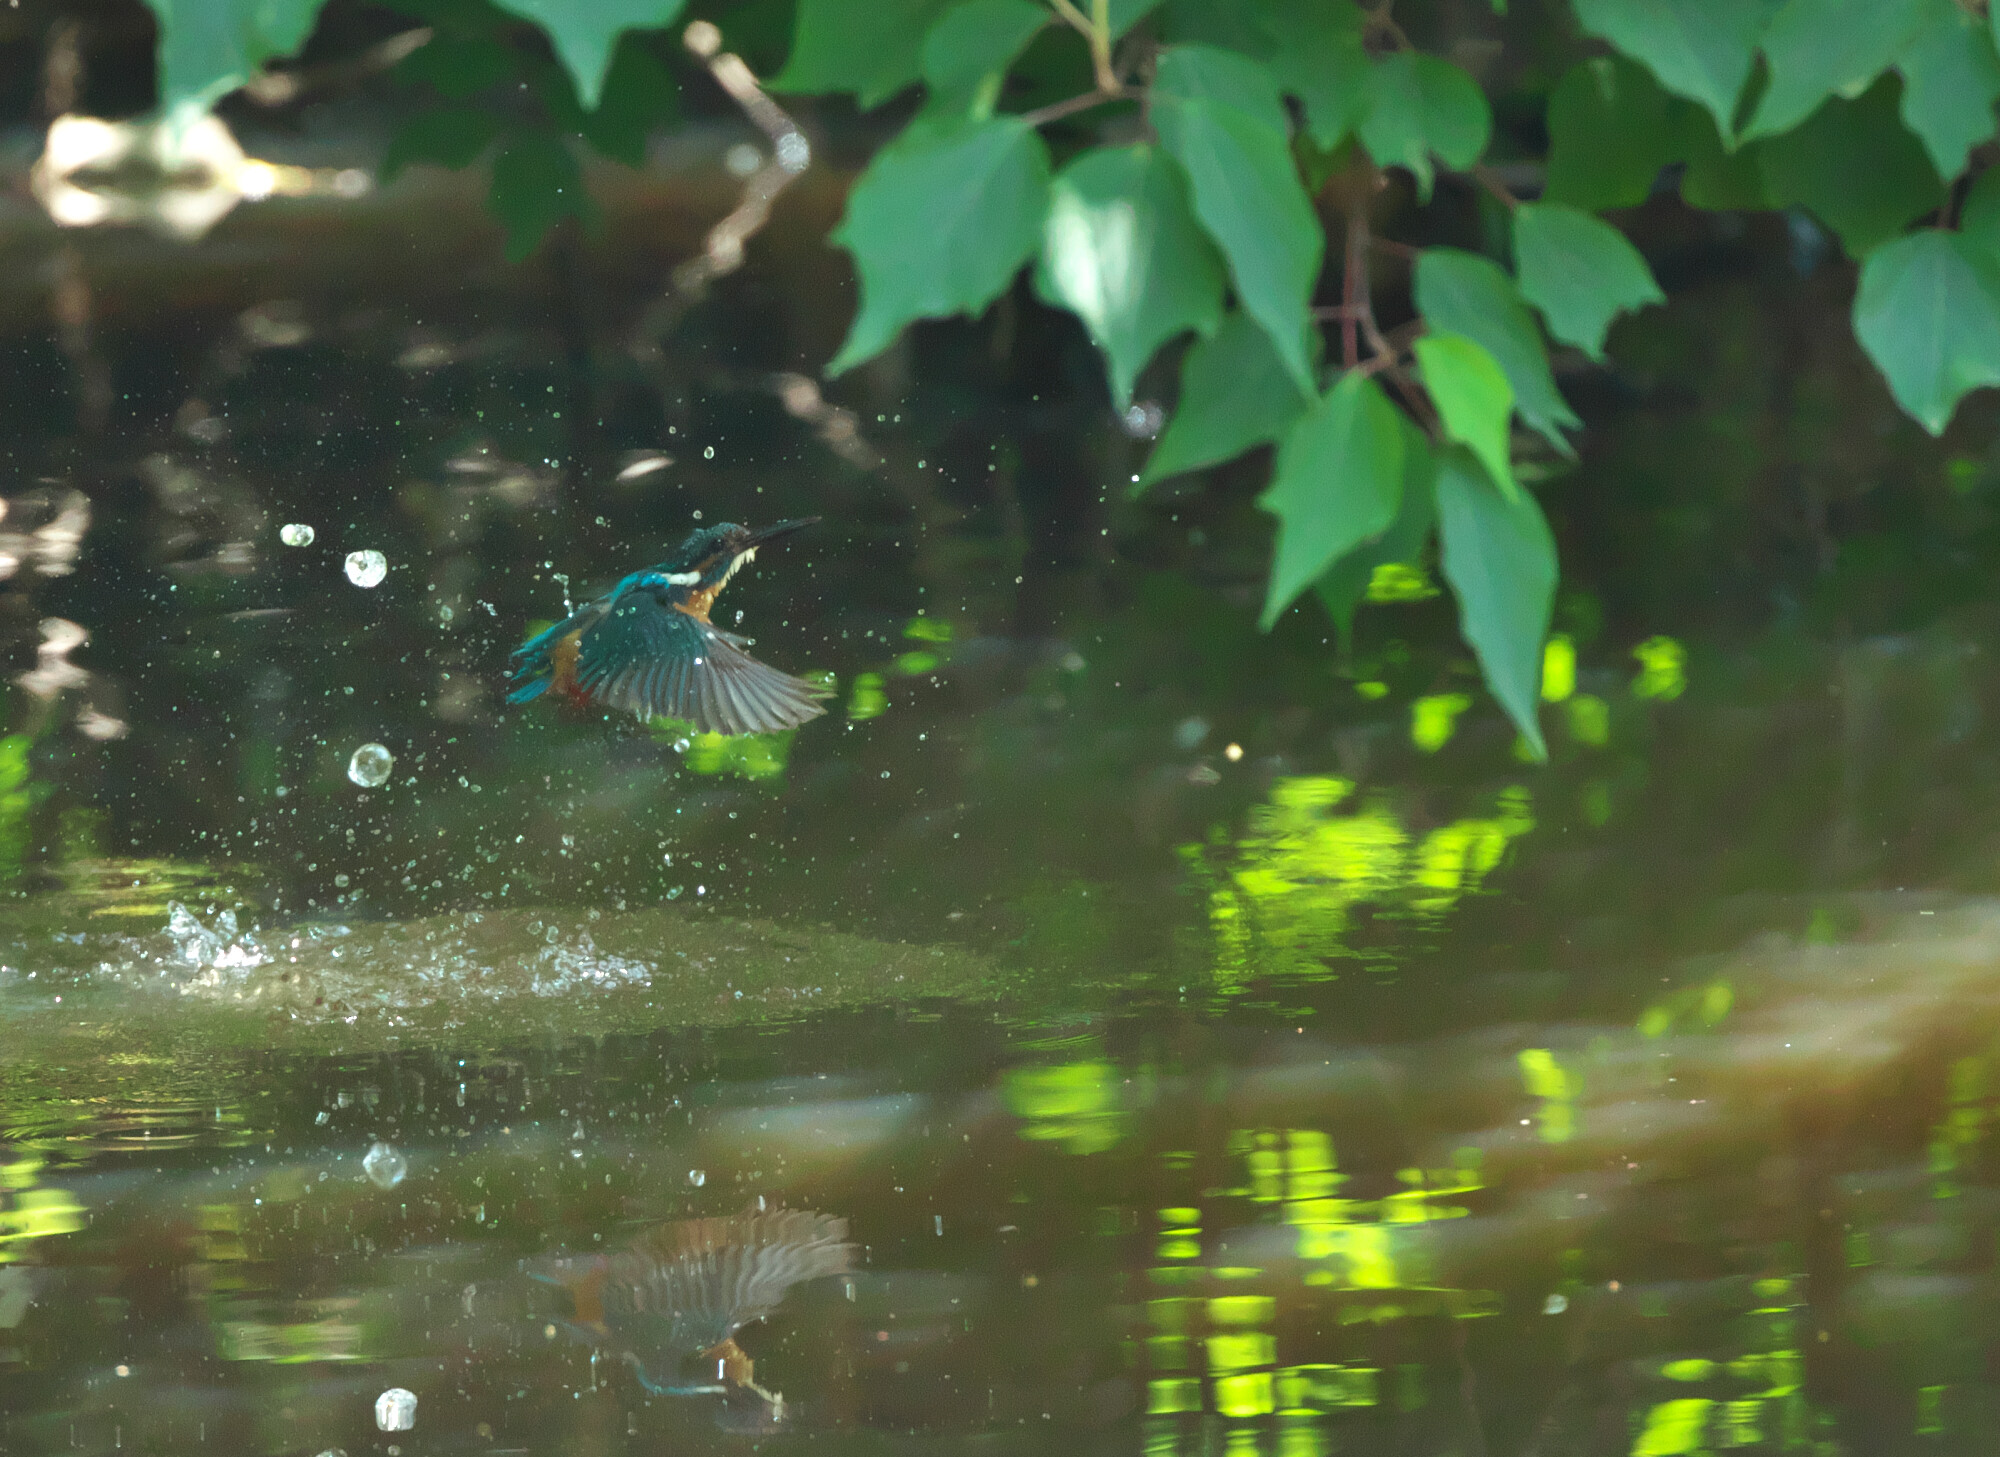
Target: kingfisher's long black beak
{"x":772,"y":533}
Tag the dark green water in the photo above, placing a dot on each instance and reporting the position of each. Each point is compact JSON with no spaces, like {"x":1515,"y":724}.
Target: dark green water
{"x":1213,"y":1044}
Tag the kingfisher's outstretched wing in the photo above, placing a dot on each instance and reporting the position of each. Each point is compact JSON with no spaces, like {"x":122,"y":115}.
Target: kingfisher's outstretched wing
{"x":685,"y":1288}
{"x":653,"y":660}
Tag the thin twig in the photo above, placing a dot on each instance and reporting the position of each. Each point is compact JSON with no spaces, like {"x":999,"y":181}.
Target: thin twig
{"x":1413,"y":395}
{"x":722,"y":250}
{"x":1072,"y":17}
{"x":281,"y":88}
{"x":1100,"y":45}
{"x":1354,"y":288}
{"x":1057,"y":110}
{"x":1373,"y":334}
{"x":1095,"y":29}
{"x":1380,"y":19}
{"x":1487,"y":178}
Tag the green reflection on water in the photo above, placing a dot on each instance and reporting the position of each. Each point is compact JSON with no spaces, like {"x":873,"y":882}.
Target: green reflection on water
{"x":1558,"y":669}
{"x":1076,"y":1105}
{"x":19,"y":794}
{"x":1216,"y":1352}
{"x":1964,"y":1124}
{"x":1284,"y":905}
{"x":1434,"y":719}
{"x":30,"y":1211}
{"x":1662,"y":669}
{"x":1545,"y":1078}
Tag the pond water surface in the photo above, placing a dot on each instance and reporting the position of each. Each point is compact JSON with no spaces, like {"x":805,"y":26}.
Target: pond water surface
{"x":1108,"y":1029}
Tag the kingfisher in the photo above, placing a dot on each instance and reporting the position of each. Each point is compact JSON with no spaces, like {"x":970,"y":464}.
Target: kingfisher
{"x":647,"y":646}
{"x":680,"y":1292}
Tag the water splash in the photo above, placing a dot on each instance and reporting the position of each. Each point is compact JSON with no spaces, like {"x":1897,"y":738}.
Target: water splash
{"x":221,"y":947}
{"x":367,"y":568}
{"x":384,"y":1165}
{"x":582,"y":967}
{"x":396,"y":1409}
{"x":370,"y":766}
{"x":296,"y":534}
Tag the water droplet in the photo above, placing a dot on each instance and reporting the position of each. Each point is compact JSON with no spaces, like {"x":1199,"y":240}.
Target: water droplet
{"x":1555,"y":1305}
{"x":1142,"y":420}
{"x":708,"y":452}
{"x":370,"y":766}
{"x":742,"y":159}
{"x":367,"y":568}
{"x":385,"y":1167}
{"x":296,"y":534}
{"x":341,"y":880}
{"x":697,"y":1178}
{"x":396,"y":1409}
{"x":675,"y":893}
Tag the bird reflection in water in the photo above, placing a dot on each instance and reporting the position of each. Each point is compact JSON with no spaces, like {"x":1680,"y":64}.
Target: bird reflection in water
{"x":682,"y":1290}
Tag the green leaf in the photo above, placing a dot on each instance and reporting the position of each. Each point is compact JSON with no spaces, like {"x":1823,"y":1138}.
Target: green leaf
{"x":939,"y":223}
{"x":1223,"y":79}
{"x":1337,"y":483}
{"x":1611,"y":130}
{"x":585,"y":32}
{"x":450,"y":136}
{"x":208,"y":48}
{"x":1220,"y":116}
{"x":969,"y":48}
{"x":1928,"y":313}
{"x":640,"y":94}
{"x":1475,"y":404}
{"x":1341,"y":586}
{"x":1416,"y":105}
{"x":1234,"y":25}
{"x":1979,"y":214}
{"x":536,"y":184}
{"x":1950,"y":79}
{"x":872,"y":49}
{"x":1124,"y":14}
{"x":1821,"y":48}
{"x":1122,"y":251}
{"x":1717,"y":179}
{"x":1500,"y":558}
{"x":1463,"y":293}
{"x":1579,"y":271}
{"x":1700,"y":49}
{"x":1318,"y":57}
{"x":1856,"y":167}
{"x":1235,"y":393}
{"x":459,"y":66}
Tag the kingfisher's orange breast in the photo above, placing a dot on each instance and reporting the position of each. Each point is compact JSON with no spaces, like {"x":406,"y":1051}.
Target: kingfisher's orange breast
{"x":562,"y":665}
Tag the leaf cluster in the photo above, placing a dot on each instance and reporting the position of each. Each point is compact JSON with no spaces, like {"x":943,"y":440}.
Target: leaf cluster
{"x":1219,"y":176}
{"x":527,"y":94}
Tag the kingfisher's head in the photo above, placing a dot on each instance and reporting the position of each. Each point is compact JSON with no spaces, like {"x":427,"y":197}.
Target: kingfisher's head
{"x":710,"y":557}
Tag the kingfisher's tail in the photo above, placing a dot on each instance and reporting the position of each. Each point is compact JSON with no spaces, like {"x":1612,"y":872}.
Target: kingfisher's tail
{"x":534,"y":663}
